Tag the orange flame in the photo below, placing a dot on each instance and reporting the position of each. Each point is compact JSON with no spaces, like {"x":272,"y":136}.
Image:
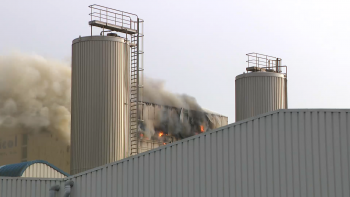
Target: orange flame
{"x":202,"y":128}
{"x":161,"y":134}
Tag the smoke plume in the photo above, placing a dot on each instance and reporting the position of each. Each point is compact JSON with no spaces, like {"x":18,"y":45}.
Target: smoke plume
{"x":34,"y":95}
{"x":155,"y":92}
{"x":182,"y":117}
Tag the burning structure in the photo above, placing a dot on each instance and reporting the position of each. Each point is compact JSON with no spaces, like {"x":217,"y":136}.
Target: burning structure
{"x":286,"y":152}
{"x":168,"y":117}
{"x":35,"y":108}
{"x":113,"y":112}
{"x":165,"y":124}
{"x":23,"y":141}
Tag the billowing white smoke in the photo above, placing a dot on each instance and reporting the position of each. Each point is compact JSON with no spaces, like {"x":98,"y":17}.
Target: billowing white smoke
{"x":155,"y":92}
{"x":34,"y":95}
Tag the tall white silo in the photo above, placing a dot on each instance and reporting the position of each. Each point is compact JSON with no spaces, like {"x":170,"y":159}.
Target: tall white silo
{"x":100,"y":101}
{"x":263,"y":88}
{"x":106,"y":89}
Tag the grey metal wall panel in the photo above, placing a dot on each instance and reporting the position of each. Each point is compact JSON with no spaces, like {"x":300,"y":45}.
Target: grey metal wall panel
{"x":100,"y":101}
{"x":258,"y":93}
{"x":28,"y":187}
{"x":283,"y":153}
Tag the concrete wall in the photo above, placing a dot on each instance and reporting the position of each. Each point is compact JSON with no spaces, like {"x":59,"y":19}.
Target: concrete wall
{"x":16,"y":148}
{"x":282,"y":153}
{"x":10,"y":148}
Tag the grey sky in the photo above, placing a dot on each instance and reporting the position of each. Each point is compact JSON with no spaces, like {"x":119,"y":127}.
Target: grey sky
{"x":198,"y":47}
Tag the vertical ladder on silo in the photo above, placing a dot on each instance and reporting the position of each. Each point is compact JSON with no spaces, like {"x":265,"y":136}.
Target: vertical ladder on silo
{"x":130,"y":24}
{"x":135,"y":86}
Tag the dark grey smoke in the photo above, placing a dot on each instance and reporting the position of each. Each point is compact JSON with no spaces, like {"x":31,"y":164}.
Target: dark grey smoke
{"x":180,"y":116}
{"x":155,"y":92}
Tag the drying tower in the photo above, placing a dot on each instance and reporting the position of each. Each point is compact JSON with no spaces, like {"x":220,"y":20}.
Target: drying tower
{"x":263,"y":88}
{"x":106,"y":94}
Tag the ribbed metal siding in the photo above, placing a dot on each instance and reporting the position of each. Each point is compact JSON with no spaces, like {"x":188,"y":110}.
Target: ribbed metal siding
{"x":258,"y":93}
{"x":40,"y":170}
{"x":100,"y":101}
{"x":28,"y":187}
{"x":283,"y":153}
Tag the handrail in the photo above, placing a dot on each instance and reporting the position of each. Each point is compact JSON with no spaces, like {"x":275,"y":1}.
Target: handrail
{"x":260,"y":63}
{"x":90,"y":6}
{"x":92,"y":13}
{"x":115,"y":21}
{"x":253,"y":53}
{"x":111,"y":15}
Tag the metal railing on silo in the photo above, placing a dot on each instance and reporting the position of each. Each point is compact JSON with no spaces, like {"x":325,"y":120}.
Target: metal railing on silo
{"x":260,"y":62}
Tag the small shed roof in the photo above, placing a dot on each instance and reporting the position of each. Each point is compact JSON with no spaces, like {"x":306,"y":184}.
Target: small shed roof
{"x":17,"y":169}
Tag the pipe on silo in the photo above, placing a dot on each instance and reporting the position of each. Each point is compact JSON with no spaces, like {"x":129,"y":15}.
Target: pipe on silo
{"x":53,"y":190}
{"x":68,"y":187}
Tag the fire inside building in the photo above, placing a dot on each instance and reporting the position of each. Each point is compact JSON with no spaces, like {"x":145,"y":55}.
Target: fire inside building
{"x":161,"y":125}
{"x":124,"y":144}
{"x":165,"y":124}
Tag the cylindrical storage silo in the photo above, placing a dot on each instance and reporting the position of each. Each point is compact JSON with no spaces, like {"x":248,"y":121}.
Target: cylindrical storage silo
{"x":260,"y":92}
{"x":100,"y":101}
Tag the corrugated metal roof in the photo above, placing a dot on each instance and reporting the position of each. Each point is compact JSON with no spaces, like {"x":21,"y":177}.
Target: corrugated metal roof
{"x":17,"y":169}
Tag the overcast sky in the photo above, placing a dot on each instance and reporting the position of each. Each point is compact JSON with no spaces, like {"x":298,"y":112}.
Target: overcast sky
{"x":198,"y":47}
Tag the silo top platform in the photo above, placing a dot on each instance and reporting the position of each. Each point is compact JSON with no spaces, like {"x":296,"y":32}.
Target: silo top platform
{"x":112,"y":27}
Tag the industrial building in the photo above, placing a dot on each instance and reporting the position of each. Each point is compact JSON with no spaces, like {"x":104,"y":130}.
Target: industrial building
{"x":122,"y":145}
{"x":36,"y":169}
{"x":156,"y":118}
{"x":17,"y":147}
{"x":288,"y":152}
{"x":110,"y":120}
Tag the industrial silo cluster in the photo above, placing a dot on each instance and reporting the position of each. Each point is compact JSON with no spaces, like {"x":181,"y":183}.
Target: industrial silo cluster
{"x":122,"y":145}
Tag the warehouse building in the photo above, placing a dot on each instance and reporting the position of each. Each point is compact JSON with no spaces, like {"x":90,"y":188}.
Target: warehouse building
{"x":289,"y":152}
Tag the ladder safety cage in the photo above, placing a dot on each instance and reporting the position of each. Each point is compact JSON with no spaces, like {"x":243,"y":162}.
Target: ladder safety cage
{"x":132,"y":26}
